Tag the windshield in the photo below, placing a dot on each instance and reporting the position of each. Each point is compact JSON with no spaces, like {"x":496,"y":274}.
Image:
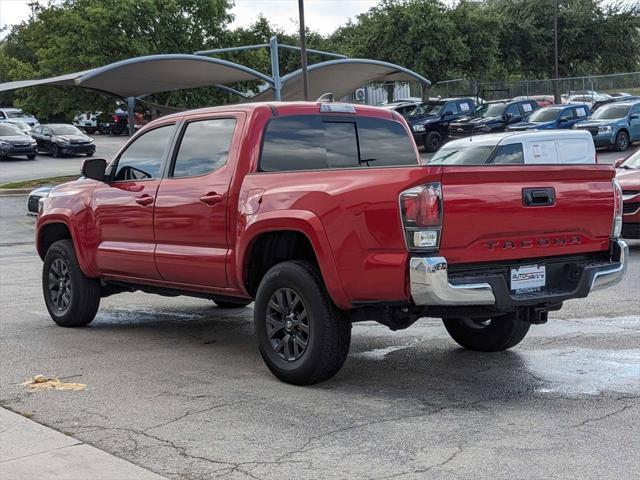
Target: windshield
{"x":610,"y":112}
{"x":426,"y":109}
{"x":490,"y":110}
{"x":14,"y":113}
{"x":544,"y":115}
{"x":6,"y":129}
{"x":633,"y":161}
{"x":65,"y":130}
{"x":462,"y":155}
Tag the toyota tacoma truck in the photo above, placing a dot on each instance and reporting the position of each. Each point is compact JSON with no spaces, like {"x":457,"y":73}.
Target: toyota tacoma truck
{"x":323,"y":215}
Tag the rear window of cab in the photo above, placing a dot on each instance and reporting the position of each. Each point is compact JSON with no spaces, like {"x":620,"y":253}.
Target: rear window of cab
{"x":318,"y":142}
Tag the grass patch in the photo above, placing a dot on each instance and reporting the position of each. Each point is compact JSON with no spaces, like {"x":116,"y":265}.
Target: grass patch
{"x":38,"y":182}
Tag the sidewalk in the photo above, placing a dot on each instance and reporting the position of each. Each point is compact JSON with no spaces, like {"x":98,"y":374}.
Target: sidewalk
{"x":30,"y":451}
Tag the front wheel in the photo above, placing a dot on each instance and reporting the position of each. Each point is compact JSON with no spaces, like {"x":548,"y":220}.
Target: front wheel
{"x":55,"y":151}
{"x":432,"y":142}
{"x":302,"y":336}
{"x":622,"y":141}
{"x":489,"y":335}
{"x":31,"y":156}
{"x":72,"y":298}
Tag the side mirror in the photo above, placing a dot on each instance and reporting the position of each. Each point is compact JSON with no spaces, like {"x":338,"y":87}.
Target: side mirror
{"x":634,"y":116}
{"x":94,"y":168}
{"x":619,"y":162}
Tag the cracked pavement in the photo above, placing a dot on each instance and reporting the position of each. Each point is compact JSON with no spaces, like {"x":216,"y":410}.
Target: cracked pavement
{"x":177,"y":386}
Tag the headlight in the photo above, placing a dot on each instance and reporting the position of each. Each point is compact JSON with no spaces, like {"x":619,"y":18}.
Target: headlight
{"x":419,"y":128}
{"x":604,"y":129}
{"x":4,"y":144}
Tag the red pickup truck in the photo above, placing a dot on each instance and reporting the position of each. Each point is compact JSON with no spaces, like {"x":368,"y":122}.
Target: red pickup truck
{"x":323,"y":215}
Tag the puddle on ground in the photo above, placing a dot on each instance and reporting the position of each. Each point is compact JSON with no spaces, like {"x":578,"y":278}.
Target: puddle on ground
{"x":40,"y":382}
{"x":584,"y":371}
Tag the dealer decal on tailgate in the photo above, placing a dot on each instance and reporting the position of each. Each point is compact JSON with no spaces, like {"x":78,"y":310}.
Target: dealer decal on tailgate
{"x":528,"y":278}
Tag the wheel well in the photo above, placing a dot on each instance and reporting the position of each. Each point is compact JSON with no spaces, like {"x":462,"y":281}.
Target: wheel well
{"x":50,"y":234}
{"x":272,"y":248}
{"x":623,"y":130}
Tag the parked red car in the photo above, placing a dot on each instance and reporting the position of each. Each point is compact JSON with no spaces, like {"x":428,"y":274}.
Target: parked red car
{"x":628,"y":174}
{"x":542,"y":100}
{"x":323,"y":214}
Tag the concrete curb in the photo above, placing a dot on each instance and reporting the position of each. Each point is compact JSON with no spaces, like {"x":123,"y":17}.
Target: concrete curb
{"x":29,"y":450}
{"x":11,"y":192}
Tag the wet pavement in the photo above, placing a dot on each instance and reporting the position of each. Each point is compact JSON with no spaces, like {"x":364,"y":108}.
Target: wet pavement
{"x":177,"y":386}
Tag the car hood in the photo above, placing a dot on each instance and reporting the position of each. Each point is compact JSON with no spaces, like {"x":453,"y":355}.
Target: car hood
{"x":13,"y":139}
{"x":530,"y":125}
{"x":476,"y":120}
{"x":629,"y":178}
{"x":595,"y":123}
{"x":73,"y":138}
{"x":419,"y":119}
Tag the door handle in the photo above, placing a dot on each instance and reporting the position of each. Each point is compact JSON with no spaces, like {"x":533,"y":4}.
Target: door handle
{"x":211,"y":198}
{"x":538,"y":197}
{"x":144,"y":200}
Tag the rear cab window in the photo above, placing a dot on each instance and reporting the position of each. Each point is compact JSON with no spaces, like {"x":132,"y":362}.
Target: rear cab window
{"x":317,"y":142}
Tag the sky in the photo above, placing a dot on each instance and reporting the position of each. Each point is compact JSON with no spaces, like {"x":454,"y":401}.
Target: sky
{"x":322,"y":16}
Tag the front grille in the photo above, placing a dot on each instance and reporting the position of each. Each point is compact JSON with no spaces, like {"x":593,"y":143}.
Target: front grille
{"x":630,"y":207}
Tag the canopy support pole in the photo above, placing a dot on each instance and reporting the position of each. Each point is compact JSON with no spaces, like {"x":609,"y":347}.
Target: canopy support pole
{"x":131,"y":105}
{"x":275,"y":69}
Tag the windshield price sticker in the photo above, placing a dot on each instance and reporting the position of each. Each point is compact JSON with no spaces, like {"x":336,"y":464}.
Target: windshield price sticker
{"x":581,"y":112}
{"x":531,"y":277}
{"x":464,"y":107}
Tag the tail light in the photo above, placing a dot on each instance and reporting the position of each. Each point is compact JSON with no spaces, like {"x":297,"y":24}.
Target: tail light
{"x":421,"y":212}
{"x":616,"y":228}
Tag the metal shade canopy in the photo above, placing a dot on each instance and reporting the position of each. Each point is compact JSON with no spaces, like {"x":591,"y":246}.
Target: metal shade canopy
{"x":340,"y":77}
{"x":152,"y":74}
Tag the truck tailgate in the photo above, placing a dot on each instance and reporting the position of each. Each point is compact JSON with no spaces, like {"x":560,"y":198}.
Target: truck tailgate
{"x":488,"y":216}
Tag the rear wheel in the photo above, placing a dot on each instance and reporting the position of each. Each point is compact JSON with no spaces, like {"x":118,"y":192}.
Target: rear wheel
{"x":489,"y":335}
{"x":622,"y":141}
{"x":72,"y":298}
{"x":432,"y":142}
{"x":302,"y":336}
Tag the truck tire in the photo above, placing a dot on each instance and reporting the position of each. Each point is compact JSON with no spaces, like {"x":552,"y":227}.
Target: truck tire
{"x":622,"y":141}
{"x":72,"y":298}
{"x":302,"y":337}
{"x":432,"y":142}
{"x":493,"y":335}
{"x":238,"y":304}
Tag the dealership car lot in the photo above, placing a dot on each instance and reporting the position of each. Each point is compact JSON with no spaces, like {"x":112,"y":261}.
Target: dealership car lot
{"x":15,"y":169}
{"x":177,"y":386}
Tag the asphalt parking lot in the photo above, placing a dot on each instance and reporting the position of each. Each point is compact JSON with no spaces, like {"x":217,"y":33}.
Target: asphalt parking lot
{"x":107,"y":146}
{"x":177,"y":386}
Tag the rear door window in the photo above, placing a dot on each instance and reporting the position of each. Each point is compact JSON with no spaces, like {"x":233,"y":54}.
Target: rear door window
{"x":314,"y":142}
{"x":204,"y":147}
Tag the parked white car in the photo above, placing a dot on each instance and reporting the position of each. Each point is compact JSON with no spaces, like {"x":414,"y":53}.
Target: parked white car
{"x":17,"y":114}
{"x":550,"y":147}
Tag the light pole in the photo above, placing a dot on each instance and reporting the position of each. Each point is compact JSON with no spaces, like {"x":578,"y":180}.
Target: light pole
{"x":556,"y":84}
{"x":303,"y":51}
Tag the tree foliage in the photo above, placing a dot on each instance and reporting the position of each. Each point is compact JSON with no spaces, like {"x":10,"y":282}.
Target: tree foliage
{"x":484,"y":40}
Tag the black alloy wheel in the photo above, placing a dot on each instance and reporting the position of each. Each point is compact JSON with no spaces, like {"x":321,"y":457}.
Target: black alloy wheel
{"x":287,"y":324}
{"x":60,"y":290}
{"x":622,"y":141}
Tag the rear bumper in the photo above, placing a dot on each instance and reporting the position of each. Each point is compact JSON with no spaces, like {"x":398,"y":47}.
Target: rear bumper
{"x":432,"y":285}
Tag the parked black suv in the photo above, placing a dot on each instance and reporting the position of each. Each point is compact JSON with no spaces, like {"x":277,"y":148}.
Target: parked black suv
{"x":429,"y":121}
{"x":492,"y":117}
